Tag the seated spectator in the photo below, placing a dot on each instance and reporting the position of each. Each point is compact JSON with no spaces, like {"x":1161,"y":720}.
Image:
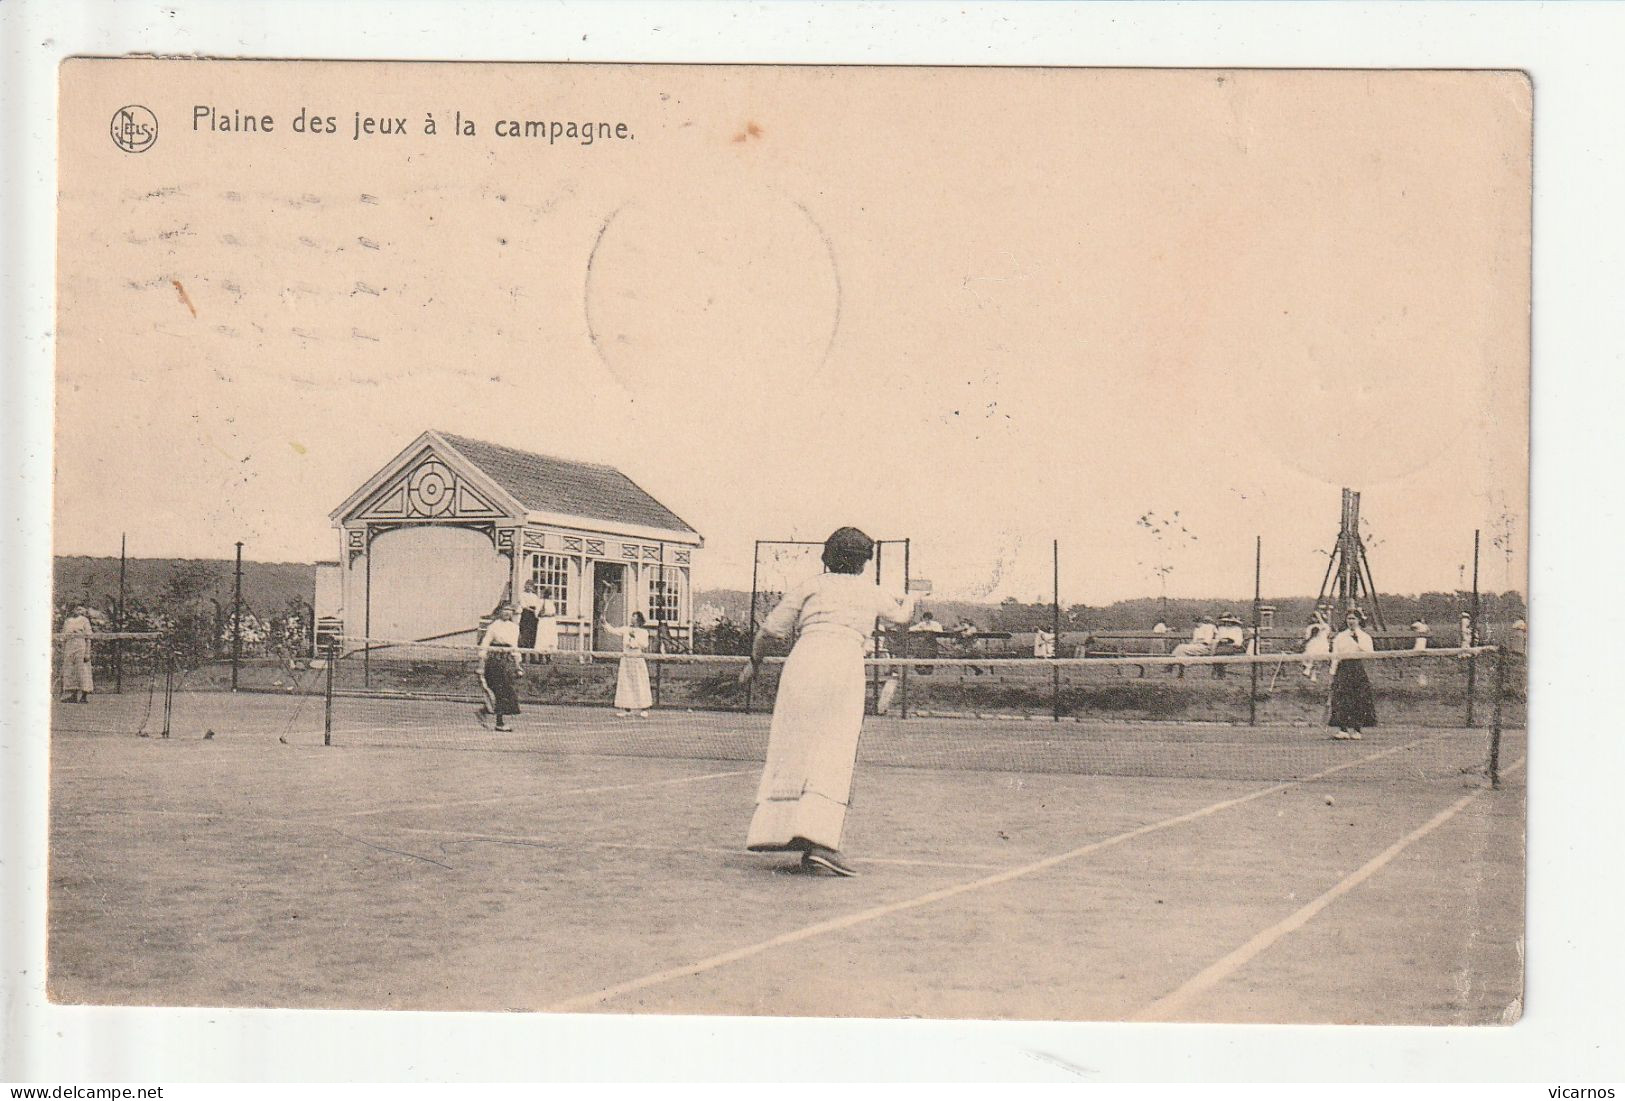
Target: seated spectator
{"x":1230,"y":638}
{"x":1204,"y":639}
{"x":965,"y":634}
{"x":929,"y":629}
{"x":927,"y":625}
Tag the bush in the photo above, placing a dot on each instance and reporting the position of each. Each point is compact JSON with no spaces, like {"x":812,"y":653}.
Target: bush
{"x":722,"y":637}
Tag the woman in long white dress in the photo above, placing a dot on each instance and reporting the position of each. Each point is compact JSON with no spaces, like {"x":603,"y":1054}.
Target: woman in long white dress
{"x":632,"y":695}
{"x":547,"y":630}
{"x":77,"y":682}
{"x":812,"y":747}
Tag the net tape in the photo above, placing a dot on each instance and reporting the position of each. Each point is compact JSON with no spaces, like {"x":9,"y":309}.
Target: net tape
{"x":354,"y":648}
{"x":966,"y":713}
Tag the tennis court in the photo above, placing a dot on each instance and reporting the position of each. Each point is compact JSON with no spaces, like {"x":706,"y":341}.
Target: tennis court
{"x":1011,"y":867}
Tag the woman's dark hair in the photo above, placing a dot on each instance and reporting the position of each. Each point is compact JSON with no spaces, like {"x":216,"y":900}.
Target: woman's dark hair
{"x":848,"y":550}
{"x":1357,"y":614}
{"x":638,"y":620}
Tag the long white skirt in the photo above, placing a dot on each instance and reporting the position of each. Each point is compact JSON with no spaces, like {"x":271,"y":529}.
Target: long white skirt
{"x":76,"y":676}
{"x":632,"y":685}
{"x":813,"y":745}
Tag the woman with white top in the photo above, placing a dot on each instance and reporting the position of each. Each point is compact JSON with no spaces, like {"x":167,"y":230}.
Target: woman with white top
{"x":77,"y":682}
{"x":1317,"y":639}
{"x":1353,"y":705}
{"x":812,"y":747}
{"x":632,"y":696}
{"x":499,"y":669}
{"x":547,"y":629}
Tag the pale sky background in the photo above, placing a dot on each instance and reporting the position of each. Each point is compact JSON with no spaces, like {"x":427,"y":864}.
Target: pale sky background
{"x":980,"y":308}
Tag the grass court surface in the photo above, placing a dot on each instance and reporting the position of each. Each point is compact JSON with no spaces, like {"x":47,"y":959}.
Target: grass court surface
{"x":588,"y":863}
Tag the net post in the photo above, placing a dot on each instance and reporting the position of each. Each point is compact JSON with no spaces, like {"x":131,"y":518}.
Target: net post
{"x":327,"y":694}
{"x":169,"y":688}
{"x":237,"y":618}
{"x":902,"y":645}
{"x":1055,"y":625}
{"x":1472,"y":636}
{"x":875,"y":679}
{"x":118,"y":644}
{"x":1258,"y":598}
{"x":755,"y":571}
{"x":1495,"y":717}
{"x":660,"y":630}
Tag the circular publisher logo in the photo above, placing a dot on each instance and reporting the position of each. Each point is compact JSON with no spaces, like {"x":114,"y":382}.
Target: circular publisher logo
{"x":134,"y":128}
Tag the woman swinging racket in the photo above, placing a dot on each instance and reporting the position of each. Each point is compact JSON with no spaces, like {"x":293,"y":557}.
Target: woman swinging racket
{"x":818,"y":714}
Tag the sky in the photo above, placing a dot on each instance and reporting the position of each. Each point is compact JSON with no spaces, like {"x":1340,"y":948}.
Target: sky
{"x":980,"y":309}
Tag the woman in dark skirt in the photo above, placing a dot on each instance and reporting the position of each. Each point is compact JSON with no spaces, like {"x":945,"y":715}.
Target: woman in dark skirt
{"x":1354,"y":707}
{"x":530,"y":612}
{"x":499,"y":669}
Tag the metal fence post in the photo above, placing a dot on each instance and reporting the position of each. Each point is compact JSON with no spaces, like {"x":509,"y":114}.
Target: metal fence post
{"x":169,"y":688}
{"x":327,"y":696}
{"x":902,"y":642}
{"x":1055,"y":628}
{"x":1495,"y":718}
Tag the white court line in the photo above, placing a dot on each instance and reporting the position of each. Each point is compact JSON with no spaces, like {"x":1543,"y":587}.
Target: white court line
{"x":1215,"y":973}
{"x":860,"y":917}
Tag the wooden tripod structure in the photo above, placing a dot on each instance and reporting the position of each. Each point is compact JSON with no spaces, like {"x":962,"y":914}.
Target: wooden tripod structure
{"x":1348,"y":571}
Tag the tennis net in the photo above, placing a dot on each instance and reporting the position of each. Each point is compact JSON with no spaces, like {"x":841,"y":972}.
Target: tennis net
{"x":1440,"y":713}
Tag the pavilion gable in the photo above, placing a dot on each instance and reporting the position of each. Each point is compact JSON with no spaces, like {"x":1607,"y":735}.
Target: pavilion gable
{"x":425,"y":484}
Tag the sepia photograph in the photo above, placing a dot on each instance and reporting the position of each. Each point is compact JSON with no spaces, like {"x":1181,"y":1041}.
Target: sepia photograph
{"x":1029,"y":544}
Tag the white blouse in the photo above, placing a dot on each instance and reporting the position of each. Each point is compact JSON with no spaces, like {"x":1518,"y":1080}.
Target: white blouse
{"x":634,"y":640}
{"x":1352,"y":642}
{"x":502,"y":632}
{"x":838,"y":599}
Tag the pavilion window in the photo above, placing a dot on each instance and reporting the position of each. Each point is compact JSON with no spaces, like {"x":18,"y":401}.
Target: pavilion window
{"x":665,"y":594}
{"x":552,"y":575}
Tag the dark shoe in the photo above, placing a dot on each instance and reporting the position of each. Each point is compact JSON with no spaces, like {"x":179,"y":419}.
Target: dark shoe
{"x":502,"y":727}
{"x":827,"y":860}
